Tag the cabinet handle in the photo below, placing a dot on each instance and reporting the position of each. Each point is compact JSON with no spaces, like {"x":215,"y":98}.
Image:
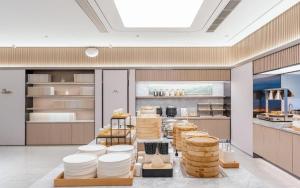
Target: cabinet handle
{"x":5,"y":91}
{"x":115,"y":91}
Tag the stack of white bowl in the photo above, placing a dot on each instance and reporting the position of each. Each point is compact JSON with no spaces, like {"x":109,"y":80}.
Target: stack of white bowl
{"x":114,"y":165}
{"x":80,"y":166}
{"x":124,"y":149}
{"x":93,"y":149}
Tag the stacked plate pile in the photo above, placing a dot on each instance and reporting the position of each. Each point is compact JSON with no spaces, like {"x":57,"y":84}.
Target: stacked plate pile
{"x":114,"y":165}
{"x":186,"y":135}
{"x":122,"y":148}
{"x":202,"y":156}
{"x":80,"y":166}
{"x":93,"y":149}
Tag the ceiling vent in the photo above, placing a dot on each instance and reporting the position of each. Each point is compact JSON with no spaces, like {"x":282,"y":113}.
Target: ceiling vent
{"x":90,"y":12}
{"x":223,"y":15}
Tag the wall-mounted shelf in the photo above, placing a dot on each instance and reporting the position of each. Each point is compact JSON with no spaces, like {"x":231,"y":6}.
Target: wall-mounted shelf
{"x":60,"y":107}
{"x":177,"y":97}
{"x":59,"y":83}
{"x":77,"y":121}
{"x":77,"y":96}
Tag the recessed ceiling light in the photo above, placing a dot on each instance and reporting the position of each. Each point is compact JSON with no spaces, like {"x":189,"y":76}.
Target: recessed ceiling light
{"x":158,"y":13}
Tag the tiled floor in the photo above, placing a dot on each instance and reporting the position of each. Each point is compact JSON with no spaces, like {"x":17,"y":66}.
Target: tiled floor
{"x":22,"y":166}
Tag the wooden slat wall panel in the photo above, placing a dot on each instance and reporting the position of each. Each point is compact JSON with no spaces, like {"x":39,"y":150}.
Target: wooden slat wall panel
{"x":283,"y":58}
{"x":279,"y":31}
{"x":47,"y":57}
{"x":182,"y":75}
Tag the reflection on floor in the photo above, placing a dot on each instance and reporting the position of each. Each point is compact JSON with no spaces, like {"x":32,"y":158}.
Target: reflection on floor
{"x":22,"y":166}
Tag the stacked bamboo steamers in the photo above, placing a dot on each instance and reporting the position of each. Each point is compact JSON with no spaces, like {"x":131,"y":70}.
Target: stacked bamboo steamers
{"x":186,"y":135}
{"x":178,"y":129}
{"x":202,"y":156}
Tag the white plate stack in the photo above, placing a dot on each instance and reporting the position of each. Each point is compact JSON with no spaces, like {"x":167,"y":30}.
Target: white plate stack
{"x":124,"y":149}
{"x":114,"y":165}
{"x":80,"y":166}
{"x":93,"y":149}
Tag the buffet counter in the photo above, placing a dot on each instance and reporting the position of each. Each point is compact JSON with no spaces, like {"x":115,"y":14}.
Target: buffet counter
{"x":277,"y":143}
{"x":283,"y":126}
{"x":201,"y":117}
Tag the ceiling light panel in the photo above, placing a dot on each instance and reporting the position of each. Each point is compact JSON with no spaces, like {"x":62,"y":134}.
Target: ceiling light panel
{"x":158,"y":13}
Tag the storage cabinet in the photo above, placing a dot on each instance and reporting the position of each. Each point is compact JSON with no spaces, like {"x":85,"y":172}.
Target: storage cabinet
{"x":216,"y":127}
{"x":270,"y":144}
{"x":278,"y":147}
{"x":59,"y":133}
{"x":82,"y":133}
{"x":258,"y":139}
{"x":285,"y":151}
{"x":48,"y":133}
{"x":296,"y":155}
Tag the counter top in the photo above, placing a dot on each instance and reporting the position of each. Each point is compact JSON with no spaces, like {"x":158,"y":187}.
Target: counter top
{"x":283,"y":126}
{"x":201,"y":117}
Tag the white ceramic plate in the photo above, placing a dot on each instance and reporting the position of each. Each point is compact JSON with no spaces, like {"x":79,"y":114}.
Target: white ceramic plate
{"x":114,"y":158}
{"x":80,"y":158}
{"x":121,"y":148}
{"x":92,"y":148}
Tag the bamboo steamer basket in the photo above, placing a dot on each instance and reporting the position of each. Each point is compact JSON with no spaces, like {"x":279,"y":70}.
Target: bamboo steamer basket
{"x":189,"y":134}
{"x":202,"y":156}
{"x":178,"y":129}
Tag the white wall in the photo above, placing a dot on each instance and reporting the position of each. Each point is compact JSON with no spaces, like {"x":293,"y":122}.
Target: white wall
{"x":242,"y":107}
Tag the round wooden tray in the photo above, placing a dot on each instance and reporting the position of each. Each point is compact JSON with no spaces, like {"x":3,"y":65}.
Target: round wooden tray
{"x":201,"y":149}
{"x":202,"y":164}
{"x":202,"y":141}
{"x":203,"y":153}
{"x":200,"y":159}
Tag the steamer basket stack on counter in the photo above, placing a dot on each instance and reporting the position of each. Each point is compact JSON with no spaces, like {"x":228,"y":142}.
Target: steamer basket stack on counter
{"x":178,"y":129}
{"x":186,"y":135}
{"x":202,"y":156}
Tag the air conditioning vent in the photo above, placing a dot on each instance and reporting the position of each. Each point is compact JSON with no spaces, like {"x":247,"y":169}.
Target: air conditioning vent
{"x":222,"y":16}
{"x":90,"y":12}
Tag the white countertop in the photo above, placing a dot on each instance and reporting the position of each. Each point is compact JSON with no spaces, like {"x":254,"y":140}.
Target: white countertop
{"x":283,"y":126}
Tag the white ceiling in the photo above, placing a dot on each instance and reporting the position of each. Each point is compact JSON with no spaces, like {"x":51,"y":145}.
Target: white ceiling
{"x":43,"y":23}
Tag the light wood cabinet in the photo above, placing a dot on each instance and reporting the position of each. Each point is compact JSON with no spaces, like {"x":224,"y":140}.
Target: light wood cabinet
{"x":258,"y":139}
{"x":216,"y":127}
{"x":278,"y":147}
{"x":48,"y":134}
{"x":82,"y":133}
{"x":270,"y":144}
{"x":285,"y":151}
{"x":59,"y":133}
{"x":296,"y":155}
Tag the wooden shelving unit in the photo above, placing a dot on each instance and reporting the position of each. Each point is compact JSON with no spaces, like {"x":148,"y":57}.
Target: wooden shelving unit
{"x":176,"y":97}
{"x":60,"y":107}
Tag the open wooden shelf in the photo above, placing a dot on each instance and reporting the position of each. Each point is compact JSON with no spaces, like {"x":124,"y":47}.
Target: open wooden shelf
{"x":54,"y":96}
{"x":60,"y":109}
{"x":176,"y":97}
{"x":59,"y":83}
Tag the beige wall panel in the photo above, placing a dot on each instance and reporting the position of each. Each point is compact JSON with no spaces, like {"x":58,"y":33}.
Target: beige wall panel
{"x":182,"y":75}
